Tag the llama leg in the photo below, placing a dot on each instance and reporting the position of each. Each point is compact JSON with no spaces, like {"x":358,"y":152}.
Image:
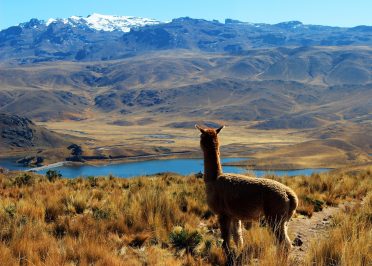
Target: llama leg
{"x":225,"y":226}
{"x":283,"y":243}
{"x":237,"y":232}
{"x":225,"y":222}
{"x":282,"y":237}
{"x":287,"y":240}
{"x":279,"y":228}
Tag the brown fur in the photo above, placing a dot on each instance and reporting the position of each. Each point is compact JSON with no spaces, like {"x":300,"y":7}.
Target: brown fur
{"x":236,"y":197}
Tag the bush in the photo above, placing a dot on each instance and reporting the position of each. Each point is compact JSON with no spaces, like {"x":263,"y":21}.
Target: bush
{"x":24,"y":180}
{"x":59,"y":230}
{"x":79,"y":206}
{"x":181,"y":238}
{"x":52,"y":211}
{"x":10,"y":210}
{"x":318,"y":204}
{"x":53,"y":175}
{"x":101,"y":213}
{"x":93,"y":181}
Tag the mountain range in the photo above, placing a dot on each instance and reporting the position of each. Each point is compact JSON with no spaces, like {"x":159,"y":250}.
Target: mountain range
{"x":287,"y":75}
{"x":103,"y":37}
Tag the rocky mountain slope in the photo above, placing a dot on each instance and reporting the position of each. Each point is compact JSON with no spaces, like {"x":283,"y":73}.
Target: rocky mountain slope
{"x":18,"y":132}
{"x":278,"y":87}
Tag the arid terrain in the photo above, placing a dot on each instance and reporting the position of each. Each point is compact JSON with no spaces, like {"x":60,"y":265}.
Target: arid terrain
{"x":149,"y":104}
{"x":271,"y":149}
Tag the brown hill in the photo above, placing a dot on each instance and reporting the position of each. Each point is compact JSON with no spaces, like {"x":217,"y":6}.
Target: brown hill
{"x":20,"y":133}
{"x":271,"y":84}
{"x":42,"y":105}
{"x":279,"y":89}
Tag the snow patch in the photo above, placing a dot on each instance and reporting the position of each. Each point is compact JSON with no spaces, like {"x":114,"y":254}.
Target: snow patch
{"x":106,"y":22}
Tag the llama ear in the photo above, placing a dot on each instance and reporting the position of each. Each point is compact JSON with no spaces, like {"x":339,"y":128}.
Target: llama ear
{"x":219,"y":129}
{"x":201,"y":129}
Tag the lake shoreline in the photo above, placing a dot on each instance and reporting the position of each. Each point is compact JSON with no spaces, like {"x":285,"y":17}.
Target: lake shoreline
{"x":153,"y":166}
{"x":166,"y":156}
{"x":99,"y":162}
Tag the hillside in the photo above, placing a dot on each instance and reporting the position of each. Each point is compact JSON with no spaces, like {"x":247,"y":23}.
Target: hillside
{"x":20,"y":132}
{"x":19,"y":136}
{"x":247,"y":88}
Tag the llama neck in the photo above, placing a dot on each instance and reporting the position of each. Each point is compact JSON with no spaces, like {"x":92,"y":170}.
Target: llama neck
{"x":212,"y":165}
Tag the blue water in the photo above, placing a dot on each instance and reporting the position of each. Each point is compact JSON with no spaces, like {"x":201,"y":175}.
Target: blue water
{"x":131,"y":169}
{"x":11,"y":164}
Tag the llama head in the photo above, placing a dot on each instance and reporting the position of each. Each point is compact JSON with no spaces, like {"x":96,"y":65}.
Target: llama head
{"x":209,"y":138}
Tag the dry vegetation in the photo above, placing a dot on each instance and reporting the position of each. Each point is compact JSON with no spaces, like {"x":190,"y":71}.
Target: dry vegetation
{"x":350,"y":239}
{"x":162,"y":220}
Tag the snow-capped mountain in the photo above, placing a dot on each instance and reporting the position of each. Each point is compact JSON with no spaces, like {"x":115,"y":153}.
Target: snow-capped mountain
{"x":106,"y":22}
{"x":106,"y":37}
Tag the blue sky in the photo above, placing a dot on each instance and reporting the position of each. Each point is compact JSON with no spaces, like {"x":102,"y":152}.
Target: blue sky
{"x":325,"y":12}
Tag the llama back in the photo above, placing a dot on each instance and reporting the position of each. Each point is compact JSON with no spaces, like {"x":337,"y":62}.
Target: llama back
{"x":258,"y":192}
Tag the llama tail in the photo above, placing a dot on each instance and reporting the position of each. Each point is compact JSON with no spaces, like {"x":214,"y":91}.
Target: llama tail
{"x":293,"y":203}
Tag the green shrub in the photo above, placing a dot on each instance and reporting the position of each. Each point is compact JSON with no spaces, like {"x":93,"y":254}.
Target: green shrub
{"x":53,"y":175}
{"x":101,"y":213}
{"x":181,"y":238}
{"x":24,"y":180}
{"x":10,"y":210}
{"x":318,"y":204}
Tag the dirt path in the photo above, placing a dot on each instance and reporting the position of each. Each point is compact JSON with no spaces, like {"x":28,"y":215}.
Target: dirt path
{"x":304,"y":230}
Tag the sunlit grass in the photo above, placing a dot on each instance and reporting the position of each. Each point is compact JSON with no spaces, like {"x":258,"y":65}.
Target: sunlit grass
{"x":159,"y":220}
{"x":350,"y":239}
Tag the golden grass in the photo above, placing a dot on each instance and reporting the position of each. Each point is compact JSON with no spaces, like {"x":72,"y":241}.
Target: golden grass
{"x":349,"y":241}
{"x":159,"y":220}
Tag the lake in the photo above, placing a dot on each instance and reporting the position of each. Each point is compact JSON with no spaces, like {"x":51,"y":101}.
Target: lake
{"x":131,"y":169}
{"x":11,"y":164}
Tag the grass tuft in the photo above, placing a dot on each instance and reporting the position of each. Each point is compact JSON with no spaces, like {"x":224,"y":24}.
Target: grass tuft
{"x":181,"y":238}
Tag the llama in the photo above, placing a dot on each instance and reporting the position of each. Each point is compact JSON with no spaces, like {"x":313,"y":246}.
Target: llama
{"x":235,"y":197}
